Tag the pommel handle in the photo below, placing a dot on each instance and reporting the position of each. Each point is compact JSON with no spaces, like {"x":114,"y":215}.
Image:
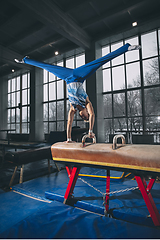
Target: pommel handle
{"x":87,"y":136}
{"x":114,"y":146}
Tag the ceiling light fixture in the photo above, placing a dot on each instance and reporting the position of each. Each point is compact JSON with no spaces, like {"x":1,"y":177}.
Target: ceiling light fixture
{"x":12,"y":70}
{"x":56,"y":53}
{"x":134,"y":24}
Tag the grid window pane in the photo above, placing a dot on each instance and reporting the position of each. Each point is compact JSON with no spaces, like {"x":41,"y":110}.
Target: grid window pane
{"x":45,"y":112}
{"x":24,"y":81}
{"x":60,"y":110}
{"x":118,"y":78}
{"x":60,"y":89}
{"x":135,"y":124}
{"x":119,"y":104}
{"x":153,"y":123}
{"x":45,"y":92}
{"x":108,"y":128}
{"x":45,"y":76}
{"x":60,"y":64}
{"x":18,"y":98}
{"x":132,"y":55}
{"x":52,"y":91}
{"x":17,"y":115}
{"x":9,"y":86}
{"x":133,"y":75}
{"x":9,"y":115}
{"x":119,"y":59}
{"x":52,"y":111}
{"x":151,"y":71}
{"x":28,"y":114}
{"x":149,"y":45}
{"x":24,"y":97}
{"x":134,"y":103}
{"x":9,"y":100}
{"x":13,"y":99}
{"x":24,"y":128}
{"x":107,"y":105}
{"x":51,"y":77}
{"x":106,"y":80}
{"x":152,"y":101}
{"x":18,"y":83}
{"x":80,"y":60}
{"x":70,"y":63}
{"x":13,"y":126}
{"x":28,"y":96}
{"x":13,"y":115}
{"x":28,"y":80}
{"x":120,"y":124}
{"x":105,"y":51}
{"x":24,"y":114}
{"x":17,"y":128}
{"x":13,"y":84}
{"x":52,"y":126}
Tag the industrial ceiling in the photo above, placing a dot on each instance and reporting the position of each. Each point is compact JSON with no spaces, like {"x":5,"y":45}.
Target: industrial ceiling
{"x":38,"y":28}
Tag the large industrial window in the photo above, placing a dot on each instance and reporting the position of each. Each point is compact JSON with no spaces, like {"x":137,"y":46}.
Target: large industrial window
{"x":19,"y":103}
{"x":131,"y":89}
{"x":55,"y":99}
{"x":53,"y":102}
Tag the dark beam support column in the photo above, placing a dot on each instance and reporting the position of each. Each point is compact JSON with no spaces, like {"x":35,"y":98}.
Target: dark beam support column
{"x":100,"y":108}
{"x":3,"y":106}
{"x":91,"y":84}
{"x":36,"y":110}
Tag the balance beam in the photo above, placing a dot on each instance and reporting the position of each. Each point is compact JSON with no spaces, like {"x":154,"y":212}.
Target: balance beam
{"x":141,"y":160}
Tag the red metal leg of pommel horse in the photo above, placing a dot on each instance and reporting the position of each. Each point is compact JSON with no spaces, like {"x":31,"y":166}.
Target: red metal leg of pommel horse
{"x":143,"y":187}
{"x":145,"y":191}
{"x":73,"y":175}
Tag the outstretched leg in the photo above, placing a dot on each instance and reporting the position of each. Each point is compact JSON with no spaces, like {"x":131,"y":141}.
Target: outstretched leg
{"x":88,"y":69}
{"x":59,"y":71}
{"x":81,"y":73}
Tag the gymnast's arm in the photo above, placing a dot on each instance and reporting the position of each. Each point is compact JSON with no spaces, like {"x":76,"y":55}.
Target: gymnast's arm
{"x":71,"y":113}
{"x":91,"y":117}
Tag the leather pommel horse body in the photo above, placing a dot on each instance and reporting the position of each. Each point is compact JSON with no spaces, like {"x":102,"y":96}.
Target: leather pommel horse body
{"x":141,"y":160}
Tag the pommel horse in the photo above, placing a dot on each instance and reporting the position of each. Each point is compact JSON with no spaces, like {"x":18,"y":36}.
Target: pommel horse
{"x":141,"y":160}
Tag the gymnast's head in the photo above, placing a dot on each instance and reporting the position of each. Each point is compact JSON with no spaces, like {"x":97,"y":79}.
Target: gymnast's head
{"x":83,"y":113}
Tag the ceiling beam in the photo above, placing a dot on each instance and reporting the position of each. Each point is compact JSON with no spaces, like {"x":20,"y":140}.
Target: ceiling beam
{"x":8,"y":57}
{"x":49,"y":42}
{"x":49,"y":14}
{"x":25,"y":33}
{"x":119,"y":10}
{"x":7,"y":20}
{"x":73,"y":5}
